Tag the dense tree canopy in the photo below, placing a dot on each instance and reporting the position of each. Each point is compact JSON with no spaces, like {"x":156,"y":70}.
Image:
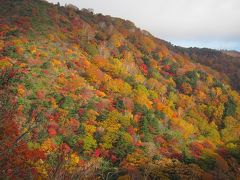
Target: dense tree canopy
{"x":84,"y":95}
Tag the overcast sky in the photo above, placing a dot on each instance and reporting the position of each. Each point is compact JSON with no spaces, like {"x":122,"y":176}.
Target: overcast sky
{"x":200,"y":23}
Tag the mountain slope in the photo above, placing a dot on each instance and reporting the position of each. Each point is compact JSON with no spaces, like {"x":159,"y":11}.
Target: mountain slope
{"x":232,"y":53}
{"x":225,"y":62}
{"x":84,"y":95}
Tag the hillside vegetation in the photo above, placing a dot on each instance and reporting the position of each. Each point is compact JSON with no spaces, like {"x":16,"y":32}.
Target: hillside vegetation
{"x":225,"y":62}
{"x":88,"y":96}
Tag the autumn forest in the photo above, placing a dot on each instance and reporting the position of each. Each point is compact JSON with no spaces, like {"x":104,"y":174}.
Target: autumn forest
{"x":89,"y":96}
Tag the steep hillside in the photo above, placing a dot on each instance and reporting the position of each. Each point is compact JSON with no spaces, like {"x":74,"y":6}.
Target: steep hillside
{"x":88,"y":96}
{"x":232,"y":53}
{"x":225,"y":62}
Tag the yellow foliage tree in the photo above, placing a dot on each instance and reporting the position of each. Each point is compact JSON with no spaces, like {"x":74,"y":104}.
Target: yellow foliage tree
{"x":118,"y":86}
{"x":141,"y":97}
{"x":111,"y":127}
